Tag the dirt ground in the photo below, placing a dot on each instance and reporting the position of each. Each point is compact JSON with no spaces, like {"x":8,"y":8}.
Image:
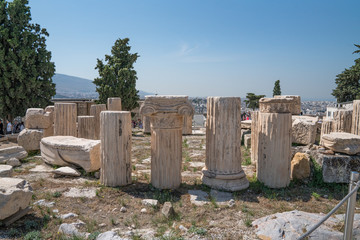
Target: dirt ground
{"x":102,"y":211}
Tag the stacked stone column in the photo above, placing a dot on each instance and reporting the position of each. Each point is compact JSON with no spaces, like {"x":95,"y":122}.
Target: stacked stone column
{"x":114,"y":104}
{"x":115,"y":136}
{"x":274,"y":142}
{"x":95,"y":111}
{"x":166,"y":120}
{"x":65,"y":119}
{"x":254,"y":140}
{"x":86,"y":125}
{"x":223,"y":153}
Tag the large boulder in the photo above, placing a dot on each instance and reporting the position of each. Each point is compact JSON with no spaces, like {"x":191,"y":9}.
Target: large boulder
{"x":300,"y":166}
{"x":12,"y":152}
{"x":304,"y":131}
{"x":30,"y":139}
{"x":37,"y":119}
{"x":342,"y":142}
{"x":15,"y":196}
{"x":69,"y":150}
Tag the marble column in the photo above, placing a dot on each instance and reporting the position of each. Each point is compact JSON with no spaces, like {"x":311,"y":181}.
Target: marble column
{"x":274,"y":142}
{"x":355,"y":127}
{"x":114,"y":104}
{"x":65,"y":119}
{"x":254,"y":136}
{"x":146,"y":124}
{"x":223,"y":146}
{"x":343,"y":120}
{"x":187,"y":127}
{"x":115,"y":148}
{"x":327,"y":127}
{"x":166,"y":120}
{"x":86,"y":127}
{"x":95,"y":111}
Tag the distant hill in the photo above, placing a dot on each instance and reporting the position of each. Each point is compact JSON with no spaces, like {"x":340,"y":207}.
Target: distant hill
{"x":75,"y":87}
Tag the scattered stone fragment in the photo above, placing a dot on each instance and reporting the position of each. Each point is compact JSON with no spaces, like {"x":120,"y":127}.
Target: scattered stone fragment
{"x":70,"y":230}
{"x":342,"y":142}
{"x":109,"y":235}
{"x":102,"y":225}
{"x":15,"y":196}
{"x":140,"y":166}
{"x":221,"y":197}
{"x":44,"y":203}
{"x":198,"y":197}
{"x":150,"y":202}
{"x":12,"y":152}
{"x":67,"y":171}
{"x":146,"y":160}
{"x":6,"y":170}
{"x":123,"y":209}
{"x":182,"y":228}
{"x":68,"y":215}
{"x":13,"y":162}
{"x":300,"y":166}
{"x":231,"y":203}
{"x":168,"y":210}
{"x":143,"y":210}
{"x":291,"y":225}
{"x":78,"y":223}
{"x":97,"y":175}
{"x":55,"y":210}
{"x":84,"y":192}
{"x":43,"y":168}
{"x":30,"y":139}
{"x":197,"y":164}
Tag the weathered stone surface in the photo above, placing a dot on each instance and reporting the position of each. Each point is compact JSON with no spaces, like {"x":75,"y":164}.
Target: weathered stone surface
{"x":355,"y":126}
{"x":342,"y":142}
{"x":223,"y":155}
{"x":291,"y":225}
{"x":15,"y":195}
{"x":67,"y":150}
{"x":166,"y":117}
{"x":12,"y":152}
{"x":254,"y":137}
{"x":67,"y":171}
{"x":115,"y":135}
{"x":295,"y":107}
{"x":246,"y":124}
{"x":247,"y":140}
{"x":150,"y":202}
{"x":187,"y":127}
{"x":327,"y":126}
{"x":65,"y":119}
{"x":109,"y":235}
{"x":146,"y":124}
{"x":168,"y":210}
{"x":114,"y":104}
{"x":13,"y":162}
{"x":6,"y":170}
{"x":274,"y":149}
{"x":276,"y":105}
{"x":336,"y":168}
{"x":81,"y":192}
{"x":303,"y":131}
{"x":95,"y":111}
{"x":70,"y":230}
{"x":342,"y":121}
{"x":198,"y":197}
{"x":86,"y":127}
{"x":35,"y":118}
{"x":221,"y":197}
{"x":300,"y":166}
{"x":30,"y":139}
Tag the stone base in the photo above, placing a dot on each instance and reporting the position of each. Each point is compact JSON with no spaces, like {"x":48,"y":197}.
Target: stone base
{"x":226,"y":184}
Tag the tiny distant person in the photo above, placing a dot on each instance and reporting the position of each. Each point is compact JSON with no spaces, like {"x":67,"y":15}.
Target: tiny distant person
{"x":22,"y":127}
{"x":15,"y":127}
{"x":1,"y":128}
{"x":140,"y":124}
{"x":8,"y":127}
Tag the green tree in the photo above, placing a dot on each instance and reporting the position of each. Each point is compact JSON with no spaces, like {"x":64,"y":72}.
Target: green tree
{"x":348,"y":82}
{"x":117,"y":77}
{"x":25,"y":64}
{"x":252,"y":100}
{"x":277,"y":89}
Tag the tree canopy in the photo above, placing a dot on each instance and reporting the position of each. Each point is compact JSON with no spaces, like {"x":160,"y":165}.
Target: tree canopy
{"x":277,"y":89}
{"x":25,"y":64}
{"x":252,"y":100}
{"x":117,"y":77}
{"x":348,"y":82}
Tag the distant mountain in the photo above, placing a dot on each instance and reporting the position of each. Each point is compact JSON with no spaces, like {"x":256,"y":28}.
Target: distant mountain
{"x":75,"y":87}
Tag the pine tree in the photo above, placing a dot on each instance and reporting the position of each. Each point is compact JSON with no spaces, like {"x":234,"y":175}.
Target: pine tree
{"x":277,"y":89}
{"x":348,"y":82}
{"x":252,"y":100}
{"x":25,"y":67}
{"x":117,"y":77}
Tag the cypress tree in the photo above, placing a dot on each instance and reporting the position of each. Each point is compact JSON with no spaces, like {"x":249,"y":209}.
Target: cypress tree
{"x":277,"y":89}
{"x":25,"y":64}
{"x":117,"y":77}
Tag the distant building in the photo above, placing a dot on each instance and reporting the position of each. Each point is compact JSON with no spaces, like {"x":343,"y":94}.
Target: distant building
{"x":339,"y":106}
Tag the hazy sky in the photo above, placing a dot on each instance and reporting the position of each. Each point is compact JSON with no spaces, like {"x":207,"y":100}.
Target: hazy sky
{"x":209,"y":48}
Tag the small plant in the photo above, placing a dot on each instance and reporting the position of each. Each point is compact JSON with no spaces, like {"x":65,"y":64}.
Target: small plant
{"x":185,"y":143}
{"x":31,"y":225}
{"x":34,"y":235}
{"x":12,"y":232}
{"x":316,"y":196}
{"x":247,"y":161}
{"x":113,"y":222}
{"x":90,"y":225}
{"x":213,"y":202}
{"x":199,"y":231}
{"x":94,"y":235}
{"x":133,"y":167}
{"x":57,"y":194}
{"x":247,"y":221}
{"x":185,"y":168}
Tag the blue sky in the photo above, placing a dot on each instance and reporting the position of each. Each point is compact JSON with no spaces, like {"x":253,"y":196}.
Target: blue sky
{"x":209,"y":48}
